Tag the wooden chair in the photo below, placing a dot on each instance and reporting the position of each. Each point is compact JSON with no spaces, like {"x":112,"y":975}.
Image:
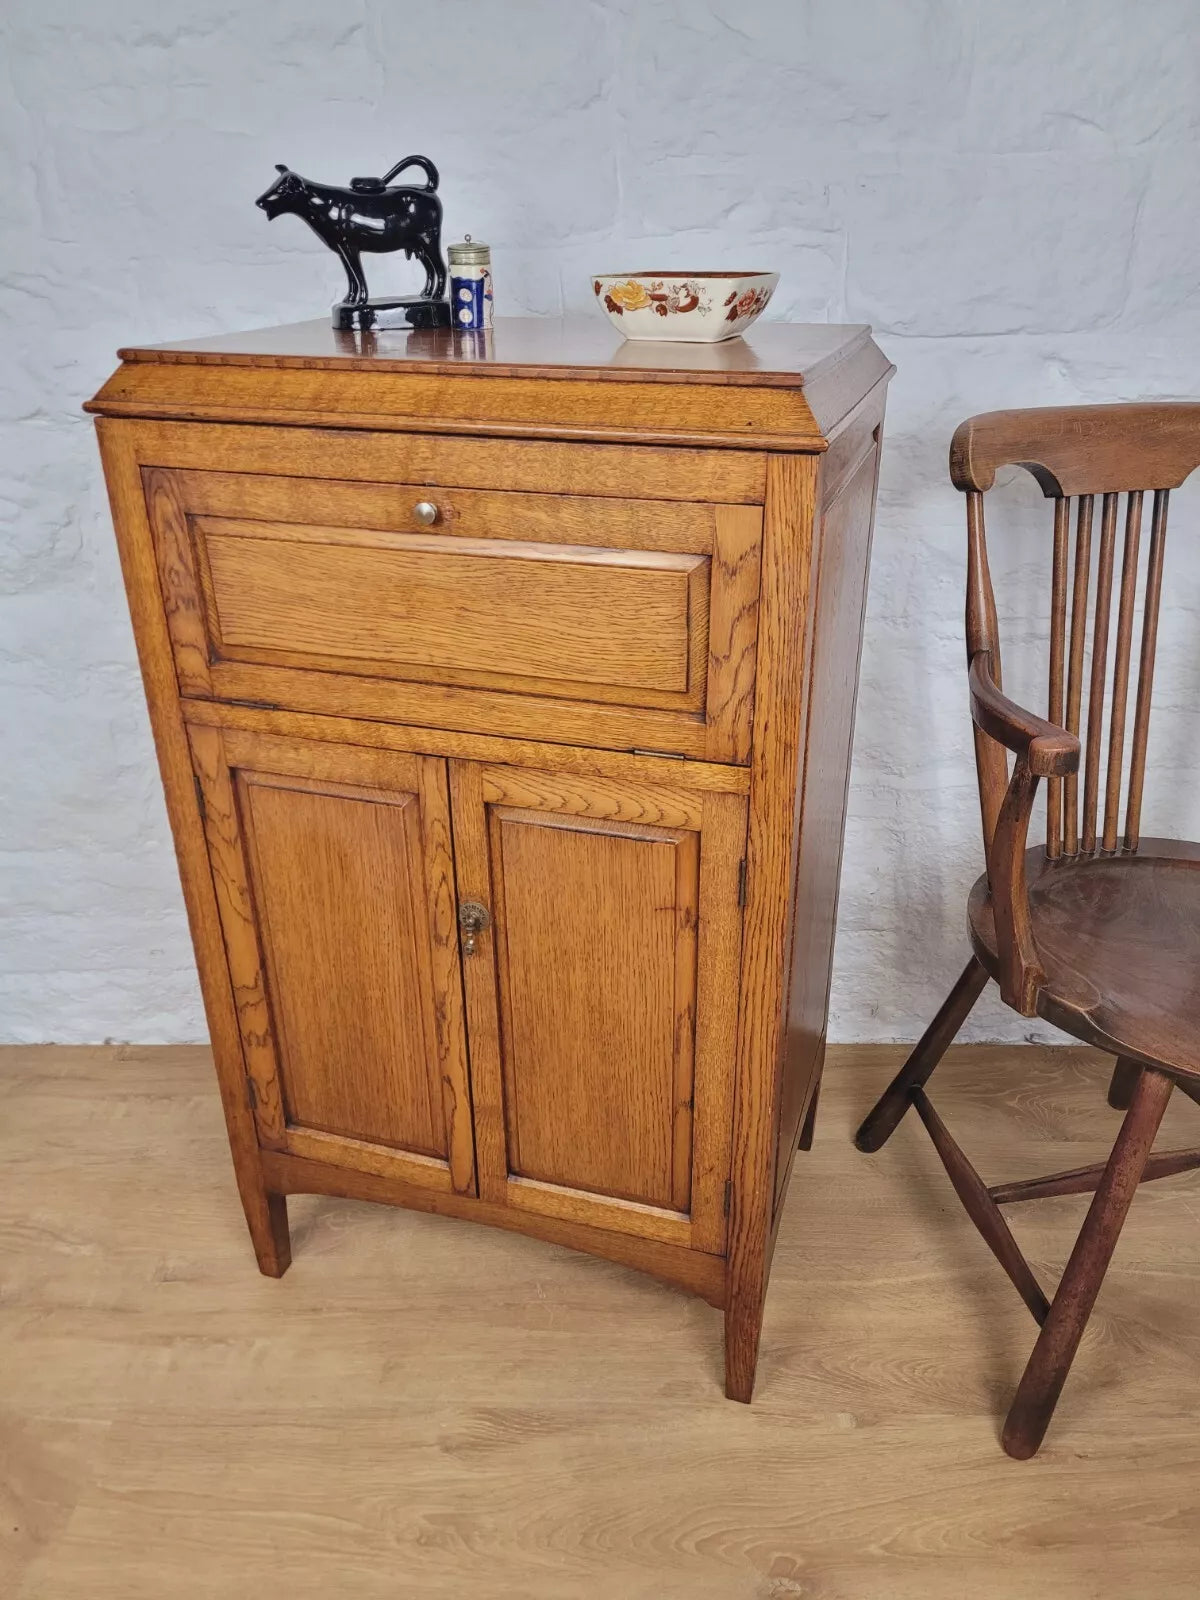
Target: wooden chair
{"x":1097,"y":931}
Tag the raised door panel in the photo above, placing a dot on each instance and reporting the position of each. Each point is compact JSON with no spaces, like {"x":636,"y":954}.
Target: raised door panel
{"x":334,"y":880}
{"x":602,"y":996}
{"x":596,"y":929}
{"x":568,"y":617}
{"x":336,"y":877}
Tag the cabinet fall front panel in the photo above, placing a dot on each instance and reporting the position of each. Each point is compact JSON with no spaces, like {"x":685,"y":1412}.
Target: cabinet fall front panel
{"x":602,"y":996}
{"x":333,"y":872}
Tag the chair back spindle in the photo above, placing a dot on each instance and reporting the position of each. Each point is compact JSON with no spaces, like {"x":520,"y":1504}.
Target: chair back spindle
{"x":1058,"y":640}
{"x":1120,"y":697}
{"x":1079,"y":600}
{"x":1100,"y":622}
{"x":1141,"y":716}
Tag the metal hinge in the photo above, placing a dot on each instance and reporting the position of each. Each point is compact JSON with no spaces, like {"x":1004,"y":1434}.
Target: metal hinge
{"x":742,"y":881}
{"x":251,"y":1094}
{"x":728,"y":1195}
{"x":665,"y":755}
{"x":254,"y":705}
{"x":200,"y":796}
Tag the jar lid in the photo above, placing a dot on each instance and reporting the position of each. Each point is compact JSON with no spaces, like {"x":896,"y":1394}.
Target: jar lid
{"x":470,"y":253}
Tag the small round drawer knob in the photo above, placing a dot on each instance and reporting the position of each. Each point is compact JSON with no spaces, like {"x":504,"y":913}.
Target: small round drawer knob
{"x":425,"y":512}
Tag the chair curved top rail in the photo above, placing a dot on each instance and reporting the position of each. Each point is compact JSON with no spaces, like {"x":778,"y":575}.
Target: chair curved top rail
{"x":1077,"y":450}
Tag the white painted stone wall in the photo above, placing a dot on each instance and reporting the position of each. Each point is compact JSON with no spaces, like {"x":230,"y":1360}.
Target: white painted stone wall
{"x":1009,"y":194}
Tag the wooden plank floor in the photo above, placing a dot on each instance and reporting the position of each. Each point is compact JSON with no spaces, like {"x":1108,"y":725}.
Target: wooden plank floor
{"x":422,"y":1408}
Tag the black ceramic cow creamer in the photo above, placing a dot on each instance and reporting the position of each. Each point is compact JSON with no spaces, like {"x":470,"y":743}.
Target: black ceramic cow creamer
{"x":379,"y":217}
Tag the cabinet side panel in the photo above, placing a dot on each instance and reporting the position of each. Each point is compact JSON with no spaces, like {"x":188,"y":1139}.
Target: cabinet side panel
{"x":783,"y":630}
{"x":265,"y":1212}
{"x":844,"y":545}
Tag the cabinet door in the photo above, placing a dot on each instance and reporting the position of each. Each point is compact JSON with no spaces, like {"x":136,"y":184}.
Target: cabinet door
{"x":334,"y":877}
{"x":601,"y":995}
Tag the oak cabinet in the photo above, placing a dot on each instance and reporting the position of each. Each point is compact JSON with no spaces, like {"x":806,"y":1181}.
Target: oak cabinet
{"x":503,"y":694}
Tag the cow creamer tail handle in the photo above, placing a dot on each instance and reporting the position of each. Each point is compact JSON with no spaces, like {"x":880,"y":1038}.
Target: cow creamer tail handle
{"x":431,"y":172}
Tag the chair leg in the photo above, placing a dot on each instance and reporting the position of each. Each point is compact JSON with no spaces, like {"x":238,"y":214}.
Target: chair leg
{"x":1125,"y":1074}
{"x":1124,"y":1079}
{"x":881,"y":1122}
{"x":1044,"y":1376}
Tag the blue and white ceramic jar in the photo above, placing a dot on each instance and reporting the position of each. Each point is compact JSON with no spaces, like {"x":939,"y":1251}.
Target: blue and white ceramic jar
{"x":470,"y":284}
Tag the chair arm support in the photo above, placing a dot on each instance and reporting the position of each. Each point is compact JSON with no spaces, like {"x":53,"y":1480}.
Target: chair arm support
{"x":1048,"y":750}
{"x":1021,"y":973}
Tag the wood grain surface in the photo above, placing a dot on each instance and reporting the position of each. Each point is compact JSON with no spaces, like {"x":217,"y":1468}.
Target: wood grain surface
{"x":843,"y":554}
{"x":787,"y":596}
{"x":380,"y":459}
{"x":266,"y":603}
{"x":512,"y":609}
{"x":1084,"y":450}
{"x":597,"y":977}
{"x":589,"y":519}
{"x":334,"y":878}
{"x":339,"y":889}
{"x":424,"y":1407}
{"x":581,"y":596}
{"x":641,"y":767}
{"x":601,"y":998}
{"x":778,"y":355}
{"x":266,"y":1213}
{"x":706,"y":414}
{"x":805,"y":375}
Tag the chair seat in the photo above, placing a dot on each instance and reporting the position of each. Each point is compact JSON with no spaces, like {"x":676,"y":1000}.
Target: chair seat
{"x":1119,"y":938}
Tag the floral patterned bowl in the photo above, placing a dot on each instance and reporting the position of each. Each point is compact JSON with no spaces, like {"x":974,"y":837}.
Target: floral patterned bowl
{"x":700,"y":307}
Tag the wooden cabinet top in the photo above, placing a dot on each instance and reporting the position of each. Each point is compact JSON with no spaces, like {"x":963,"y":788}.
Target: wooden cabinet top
{"x":787,"y":386}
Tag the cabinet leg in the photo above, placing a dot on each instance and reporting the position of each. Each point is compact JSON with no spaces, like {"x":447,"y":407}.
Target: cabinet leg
{"x":267,"y":1219}
{"x":743,"y":1326}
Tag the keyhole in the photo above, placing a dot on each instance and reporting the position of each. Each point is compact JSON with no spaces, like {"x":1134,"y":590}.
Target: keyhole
{"x":472,"y":919}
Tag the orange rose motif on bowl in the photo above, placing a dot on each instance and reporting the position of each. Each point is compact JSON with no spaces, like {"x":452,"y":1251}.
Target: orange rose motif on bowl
{"x":628,"y":296}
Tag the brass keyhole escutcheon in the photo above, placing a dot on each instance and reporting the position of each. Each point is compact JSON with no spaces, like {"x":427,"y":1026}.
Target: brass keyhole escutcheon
{"x":472,"y":919}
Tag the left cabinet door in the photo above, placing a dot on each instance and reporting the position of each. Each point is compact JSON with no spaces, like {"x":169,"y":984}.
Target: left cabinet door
{"x":335,"y":881}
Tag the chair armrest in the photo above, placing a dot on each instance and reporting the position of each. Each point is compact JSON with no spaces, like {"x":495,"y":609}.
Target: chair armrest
{"x":1042,"y":750}
{"x":1050,"y":751}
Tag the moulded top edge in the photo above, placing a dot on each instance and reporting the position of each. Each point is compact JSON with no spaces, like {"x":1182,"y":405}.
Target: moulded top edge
{"x":774,"y":355}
